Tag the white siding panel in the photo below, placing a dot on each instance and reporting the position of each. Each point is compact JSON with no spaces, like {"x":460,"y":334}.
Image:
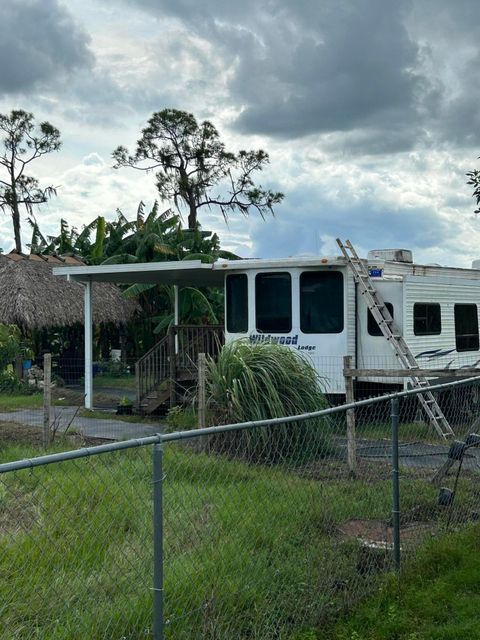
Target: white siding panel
{"x":447,"y":292}
{"x":350,"y":314}
{"x":375,"y":352}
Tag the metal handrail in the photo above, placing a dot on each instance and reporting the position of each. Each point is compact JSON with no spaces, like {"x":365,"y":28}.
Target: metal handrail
{"x":160,"y":362}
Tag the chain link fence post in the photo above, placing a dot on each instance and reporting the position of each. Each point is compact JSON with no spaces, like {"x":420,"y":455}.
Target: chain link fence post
{"x":158,"y":541}
{"x":350,"y":398}
{"x":47,"y":398}
{"x":395,"y":485}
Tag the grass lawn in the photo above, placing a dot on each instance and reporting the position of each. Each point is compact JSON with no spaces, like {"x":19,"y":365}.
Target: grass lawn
{"x":11,"y":402}
{"x":251,"y":552}
{"x":246,"y":548}
{"x":61,"y":396}
{"x":411,"y":432}
{"x":103,"y":380}
{"x":438,"y":597}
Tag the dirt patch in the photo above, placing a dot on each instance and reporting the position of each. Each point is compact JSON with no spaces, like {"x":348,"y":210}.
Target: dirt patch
{"x":16,"y":433}
{"x":373,"y":540}
{"x":68,"y":396}
{"x":12,"y":433}
{"x":338,"y":470}
{"x":381,"y":532}
{"x":17,"y":513}
{"x":76,"y":398}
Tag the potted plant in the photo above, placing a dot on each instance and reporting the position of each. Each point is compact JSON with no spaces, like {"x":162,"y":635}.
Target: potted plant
{"x":125,"y":407}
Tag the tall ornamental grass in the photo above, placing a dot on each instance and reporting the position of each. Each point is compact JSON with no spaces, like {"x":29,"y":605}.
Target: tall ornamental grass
{"x":260,"y":381}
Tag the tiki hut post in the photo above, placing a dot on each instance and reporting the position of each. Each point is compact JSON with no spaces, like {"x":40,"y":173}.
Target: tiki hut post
{"x":88,"y":325}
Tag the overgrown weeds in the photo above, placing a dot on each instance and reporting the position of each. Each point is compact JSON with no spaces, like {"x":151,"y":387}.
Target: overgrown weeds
{"x":435,"y":598}
{"x":250,"y":382}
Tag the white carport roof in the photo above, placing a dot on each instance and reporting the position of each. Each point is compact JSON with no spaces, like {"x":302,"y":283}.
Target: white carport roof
{"x":182,"y":273}
{"x":187,"y":273}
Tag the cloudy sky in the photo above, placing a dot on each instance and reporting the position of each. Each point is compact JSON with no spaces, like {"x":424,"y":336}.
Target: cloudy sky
{"x":368,"y":109}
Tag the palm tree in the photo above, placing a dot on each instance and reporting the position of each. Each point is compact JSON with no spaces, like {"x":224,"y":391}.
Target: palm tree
{"x":155,"y":236}
{"x":159,"y":237}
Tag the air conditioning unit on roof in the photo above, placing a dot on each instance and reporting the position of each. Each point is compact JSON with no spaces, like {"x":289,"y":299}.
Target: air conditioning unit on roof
{"x":392,"y":255}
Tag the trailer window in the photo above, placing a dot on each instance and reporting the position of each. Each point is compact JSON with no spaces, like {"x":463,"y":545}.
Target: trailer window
{"x":237,"y":303}
{"x":372,"y":326}
{"x":466,"y":327}
{"x":273,"y":302}
{"x":321,"y":302}
{"x":427,"y":320}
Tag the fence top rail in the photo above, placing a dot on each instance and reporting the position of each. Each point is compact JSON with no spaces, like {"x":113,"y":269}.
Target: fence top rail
{"x":196,"y":433}
{"x":75,"y":454}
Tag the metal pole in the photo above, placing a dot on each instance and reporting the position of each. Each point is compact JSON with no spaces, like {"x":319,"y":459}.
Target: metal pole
{"x":172,"y":336}
{"x":158,"y":542}
{"x":176,"y":314}
{"x":47,"y":397}
{"x":395,"y":485}
{"x":201,"y":390}
{"x":88,"y":346}
{"x":350,"y":398}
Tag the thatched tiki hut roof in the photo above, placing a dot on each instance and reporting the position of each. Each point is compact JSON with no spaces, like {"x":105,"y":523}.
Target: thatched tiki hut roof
{"x":33,"y":298}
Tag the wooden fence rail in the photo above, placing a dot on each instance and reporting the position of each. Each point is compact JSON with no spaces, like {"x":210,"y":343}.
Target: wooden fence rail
{"x":408,"y":373}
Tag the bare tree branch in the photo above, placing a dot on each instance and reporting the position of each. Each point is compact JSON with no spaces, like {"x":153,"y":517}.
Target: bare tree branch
{"x":23,"y":143}
{"x":191,"y":160}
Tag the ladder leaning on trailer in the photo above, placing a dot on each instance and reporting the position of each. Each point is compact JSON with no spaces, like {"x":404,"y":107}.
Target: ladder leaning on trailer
{"x":386,"y":324}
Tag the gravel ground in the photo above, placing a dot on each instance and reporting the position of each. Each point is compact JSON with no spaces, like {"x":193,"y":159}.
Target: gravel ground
{"x":109,"y":429}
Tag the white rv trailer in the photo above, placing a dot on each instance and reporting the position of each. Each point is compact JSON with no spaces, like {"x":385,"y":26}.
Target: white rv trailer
{"x":313,"y":305}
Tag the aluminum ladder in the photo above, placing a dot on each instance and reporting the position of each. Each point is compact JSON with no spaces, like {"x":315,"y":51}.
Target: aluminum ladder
{"x":387,"y":326}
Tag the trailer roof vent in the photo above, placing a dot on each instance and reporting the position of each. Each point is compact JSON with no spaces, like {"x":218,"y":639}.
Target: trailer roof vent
{"x":392,"y":255}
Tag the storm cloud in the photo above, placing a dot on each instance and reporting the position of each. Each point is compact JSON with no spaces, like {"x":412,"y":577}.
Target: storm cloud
{"x":39,"y":42}
{"x":385,"y":76}
{"x":368,"y":109}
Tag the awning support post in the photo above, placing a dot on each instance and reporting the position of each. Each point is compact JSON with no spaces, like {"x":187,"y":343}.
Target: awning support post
{"x":88,"y":320}
{"x":176,"y":314}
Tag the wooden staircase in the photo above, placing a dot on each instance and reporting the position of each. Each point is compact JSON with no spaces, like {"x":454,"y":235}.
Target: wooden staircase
{"x":170,"y":366}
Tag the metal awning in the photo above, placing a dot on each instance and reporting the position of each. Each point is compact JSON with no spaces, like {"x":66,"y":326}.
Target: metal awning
{"x":180,"y":273}
{"x":185,"y":273}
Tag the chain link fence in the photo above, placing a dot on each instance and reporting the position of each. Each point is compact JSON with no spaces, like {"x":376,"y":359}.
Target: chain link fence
{"x":261,"y":530}
{"x":115,"y":415}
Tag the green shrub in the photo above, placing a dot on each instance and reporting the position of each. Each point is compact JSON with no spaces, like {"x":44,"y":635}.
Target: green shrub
{"x":258,"y":381}
{"x":9,"y":383}
{"x":9,"y":344}
{"x":181,"y":419}
{"x":114,"y":368}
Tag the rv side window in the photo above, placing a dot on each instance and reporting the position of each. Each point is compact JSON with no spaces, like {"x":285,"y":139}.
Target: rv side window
{"x":273,"y":302}
{"x":321,"y":302}
{"x":372,"y":326}
{"x":427,"y":319}
{"x":466,"y":327}
{"x":237,"y":303}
